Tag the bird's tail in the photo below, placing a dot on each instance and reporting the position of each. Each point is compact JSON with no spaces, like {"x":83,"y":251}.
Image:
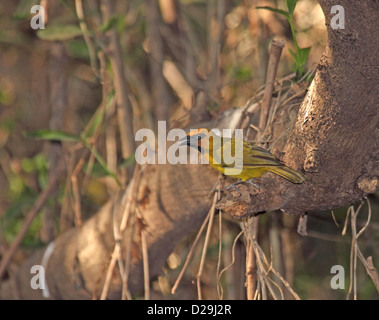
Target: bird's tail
{"x":288,"y":173}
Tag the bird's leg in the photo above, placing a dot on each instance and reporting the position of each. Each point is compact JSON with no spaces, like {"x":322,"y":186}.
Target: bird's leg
{"x":252,"y":183}
{"x":233,"y":185}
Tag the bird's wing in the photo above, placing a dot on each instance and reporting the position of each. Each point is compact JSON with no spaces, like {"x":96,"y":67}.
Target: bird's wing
{"x":257,"y":156}
{"x":248,"y":154}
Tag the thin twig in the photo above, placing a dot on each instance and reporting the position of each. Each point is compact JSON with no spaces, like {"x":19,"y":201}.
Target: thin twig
{"x":87,"y":37}
{"x":76,"y":194}
{"x":231,"y":264}
{"x":263,"y":280}
{"x":368,"y":220}
{"x":58,"y":101}
{"x":252,"y":232}
{"x":219,"y":236}
{"x":65,"y":220}
{"x":87,"y":176}
{"x":115,"y":254}
{"x":368,"y":264}
{"x":371,"y":270}
{"x":109,"y":111}
{"x":346,"y":221}
{"x":128,"y":205}
{"x":145,"y":260}
{"x":356,"y":252}
{"x":216,"y":16}
{"x":190,"y":253}
{"x":272,"y":114}
{"x":205,"y":247}
{"x":353,"y":252}
{"x":262,"y":256}
{"x":219,"y":251}
{"x":275,"y":53}
{"x":118,"y":229}
{"x":192,"y":48}
{"x":268,"y":281}
{"x":125,"y":294}
{"x":251,"y":263}
{"x":334,"y":219}
{"x":124,"y":109}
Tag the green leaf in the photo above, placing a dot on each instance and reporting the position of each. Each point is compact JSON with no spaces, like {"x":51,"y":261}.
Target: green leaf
{"x":303,"y":55}
{"x":94,"y":123}
{"x":98,"y":118}
{"x":46,"y":134}
{"x":22,"y":11}
{"x":28,"y":165}
{"x":112,"y":22}
{"x":59,"y":32}
{"x":97,"y":171}
{"x":78,"y":49}
{"x":291,"y":4}
{"x":101,"y":161}
{"x":128,"y":162}
{"x":116,"y":22}
{"x":300,"y":60}
{"x":282,"y":12}
{"x":242,"y":73}
{"x":36,"y":163}
{"x":293,"y":55}
{"x":295,"y":68}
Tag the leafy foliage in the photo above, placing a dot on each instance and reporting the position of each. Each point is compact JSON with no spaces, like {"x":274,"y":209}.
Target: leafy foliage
{"x":59,"y":32}
{"x":300,"y":55}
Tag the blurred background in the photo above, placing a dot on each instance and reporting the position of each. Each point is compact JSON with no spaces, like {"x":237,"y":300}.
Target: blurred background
{"x":60,"y":78}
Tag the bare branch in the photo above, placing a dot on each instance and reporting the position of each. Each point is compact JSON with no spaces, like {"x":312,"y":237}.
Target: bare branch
{"x":124,"y":109}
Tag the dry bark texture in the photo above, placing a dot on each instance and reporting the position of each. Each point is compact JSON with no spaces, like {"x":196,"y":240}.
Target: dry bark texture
{"x":175,"y":205}
{"x":335,"y":140}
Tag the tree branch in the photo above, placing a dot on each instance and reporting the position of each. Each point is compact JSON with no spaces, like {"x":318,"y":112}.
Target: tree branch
{"x":124,"y":108}
{"x":335,"y":138}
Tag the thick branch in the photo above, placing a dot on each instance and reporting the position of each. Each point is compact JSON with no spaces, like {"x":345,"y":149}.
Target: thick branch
{"x":335,"y":138}
{"x":175,"y":205}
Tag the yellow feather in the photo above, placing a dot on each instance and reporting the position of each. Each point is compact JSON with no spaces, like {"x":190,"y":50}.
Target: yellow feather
{"x":255,"y":160}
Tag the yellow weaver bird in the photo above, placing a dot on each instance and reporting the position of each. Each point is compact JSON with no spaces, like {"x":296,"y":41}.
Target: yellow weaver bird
{"x":255,"y":161}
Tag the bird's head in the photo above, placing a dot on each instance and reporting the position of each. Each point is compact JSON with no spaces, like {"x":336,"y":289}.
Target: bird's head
{"x":198,"y":139}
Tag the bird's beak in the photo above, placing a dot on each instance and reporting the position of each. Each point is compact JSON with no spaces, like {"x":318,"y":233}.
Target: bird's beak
{"x":185,"y":141}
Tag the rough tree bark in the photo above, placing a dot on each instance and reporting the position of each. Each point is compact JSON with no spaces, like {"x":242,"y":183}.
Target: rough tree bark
{"x":335,"y":140}
{"x":176,"y":204}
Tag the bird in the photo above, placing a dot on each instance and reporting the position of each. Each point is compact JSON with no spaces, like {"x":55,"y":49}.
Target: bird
{"x":255,"y":160}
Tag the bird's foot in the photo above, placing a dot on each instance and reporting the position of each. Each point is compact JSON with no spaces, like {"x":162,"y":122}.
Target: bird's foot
{"x":233,"y":185}
{"x":251,"y":181}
